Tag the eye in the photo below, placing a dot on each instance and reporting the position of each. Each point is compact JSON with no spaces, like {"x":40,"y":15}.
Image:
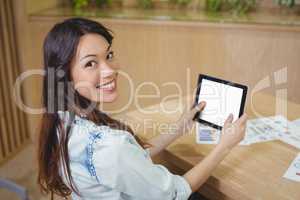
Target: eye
{"x":91,"y":64}
{"x":110,"y":55}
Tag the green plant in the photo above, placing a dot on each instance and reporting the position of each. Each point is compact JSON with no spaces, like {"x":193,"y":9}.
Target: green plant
{"x":288,"y":3}
{"x":213,"y":5}
{"x":103,"y":2}
{"x":180,"y":2}
{"x":236,"y":6}
{"x":241,"y":6}
{"x":80,"y":3}
{"x":145,"y":3}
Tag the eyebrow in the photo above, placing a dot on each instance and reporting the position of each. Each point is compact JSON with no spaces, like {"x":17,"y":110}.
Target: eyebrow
{"x":89,"y":55}
{"x":94,"y":55}
{"x":108,"y":48}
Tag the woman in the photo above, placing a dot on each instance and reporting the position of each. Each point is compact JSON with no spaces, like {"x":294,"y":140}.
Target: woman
{"x":85,"y":153}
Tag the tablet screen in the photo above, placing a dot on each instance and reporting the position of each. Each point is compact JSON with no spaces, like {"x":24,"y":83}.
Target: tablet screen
{"x":222,"y":98}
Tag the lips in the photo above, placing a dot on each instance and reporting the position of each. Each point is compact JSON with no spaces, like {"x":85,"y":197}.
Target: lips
{"x":108,"y":85}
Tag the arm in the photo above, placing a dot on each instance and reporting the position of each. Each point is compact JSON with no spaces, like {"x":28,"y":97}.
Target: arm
{"x":201,"y":172}
{"x":184,"y":124}
{"x":232,"y":134}
{"x":122,"y":165}
{"x":161,"y":141}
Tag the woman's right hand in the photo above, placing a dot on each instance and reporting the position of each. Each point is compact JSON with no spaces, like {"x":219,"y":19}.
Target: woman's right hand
{"x":233,"y":132}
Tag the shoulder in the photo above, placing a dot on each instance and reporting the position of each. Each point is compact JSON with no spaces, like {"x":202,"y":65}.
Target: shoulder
{"x":84,"y":126}
{"x":85,"y":134}
{"x":118,"y":154}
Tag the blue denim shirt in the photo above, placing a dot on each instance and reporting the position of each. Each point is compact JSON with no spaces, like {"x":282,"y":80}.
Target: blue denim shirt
{"x":109,"y":164}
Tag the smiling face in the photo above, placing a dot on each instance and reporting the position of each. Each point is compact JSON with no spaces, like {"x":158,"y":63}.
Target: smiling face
{"x":93,"y":69}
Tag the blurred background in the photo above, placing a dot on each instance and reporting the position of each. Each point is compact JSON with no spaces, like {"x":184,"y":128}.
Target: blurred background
{"x":157,"y":41}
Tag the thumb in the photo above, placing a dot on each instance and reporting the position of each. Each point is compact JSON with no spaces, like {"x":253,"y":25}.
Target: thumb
{"x":228,"y":120}
{"x":198,"y":107}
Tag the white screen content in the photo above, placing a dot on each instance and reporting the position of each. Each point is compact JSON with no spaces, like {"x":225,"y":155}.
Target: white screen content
{"x":221,"y":100}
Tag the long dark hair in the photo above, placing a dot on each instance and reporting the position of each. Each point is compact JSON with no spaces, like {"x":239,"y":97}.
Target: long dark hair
{"x":59,"y":48}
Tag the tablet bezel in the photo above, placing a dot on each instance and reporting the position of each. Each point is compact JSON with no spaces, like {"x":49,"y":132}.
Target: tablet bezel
{"x":207,"y":77}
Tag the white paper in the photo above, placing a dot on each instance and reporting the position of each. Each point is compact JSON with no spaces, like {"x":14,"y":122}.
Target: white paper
{"x":257,"y":130}
{"x":291,"y":136}
{"x":288,"y":132}
{"x":296,"y":122}
{"x":209,"y":135}
{"x":271,"y":128}
{"x":293,"y":172}
{"x":260,"y":130}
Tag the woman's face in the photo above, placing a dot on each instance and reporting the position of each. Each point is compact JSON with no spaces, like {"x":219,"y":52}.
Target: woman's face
{"x":93,"y":70}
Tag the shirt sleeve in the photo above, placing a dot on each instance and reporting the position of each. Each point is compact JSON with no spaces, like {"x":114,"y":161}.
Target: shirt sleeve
{"x":124,"y":166}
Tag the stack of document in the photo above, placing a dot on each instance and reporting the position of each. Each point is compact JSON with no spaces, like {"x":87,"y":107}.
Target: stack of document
{"x":293,"y":172}
{"x":208,"y":135}
{"x":257,"y":130}
{"x":273,"y":128}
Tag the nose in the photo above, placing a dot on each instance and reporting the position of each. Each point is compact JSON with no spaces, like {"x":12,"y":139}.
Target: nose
{"x":106,"y":71}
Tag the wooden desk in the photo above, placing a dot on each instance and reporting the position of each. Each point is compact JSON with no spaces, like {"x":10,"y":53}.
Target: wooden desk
{"x":248,"y":172}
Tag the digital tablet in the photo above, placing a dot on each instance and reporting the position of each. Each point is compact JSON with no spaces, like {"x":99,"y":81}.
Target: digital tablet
{"x":222,"y":98}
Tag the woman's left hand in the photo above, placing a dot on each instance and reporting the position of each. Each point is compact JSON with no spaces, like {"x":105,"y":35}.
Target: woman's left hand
{"x":185,"y":123}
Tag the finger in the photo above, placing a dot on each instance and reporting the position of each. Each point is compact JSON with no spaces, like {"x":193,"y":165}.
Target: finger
{"x":228,"y":120}
{"x":242,"y":119}
{"x":198,"y":108}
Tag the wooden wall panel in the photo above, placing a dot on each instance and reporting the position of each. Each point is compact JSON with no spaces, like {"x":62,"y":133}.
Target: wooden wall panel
{"x":161,"y":52}
{"x":14,"y":134}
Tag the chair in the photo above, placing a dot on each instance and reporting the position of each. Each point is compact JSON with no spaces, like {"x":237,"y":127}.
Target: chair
{"x":13,"y":187}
